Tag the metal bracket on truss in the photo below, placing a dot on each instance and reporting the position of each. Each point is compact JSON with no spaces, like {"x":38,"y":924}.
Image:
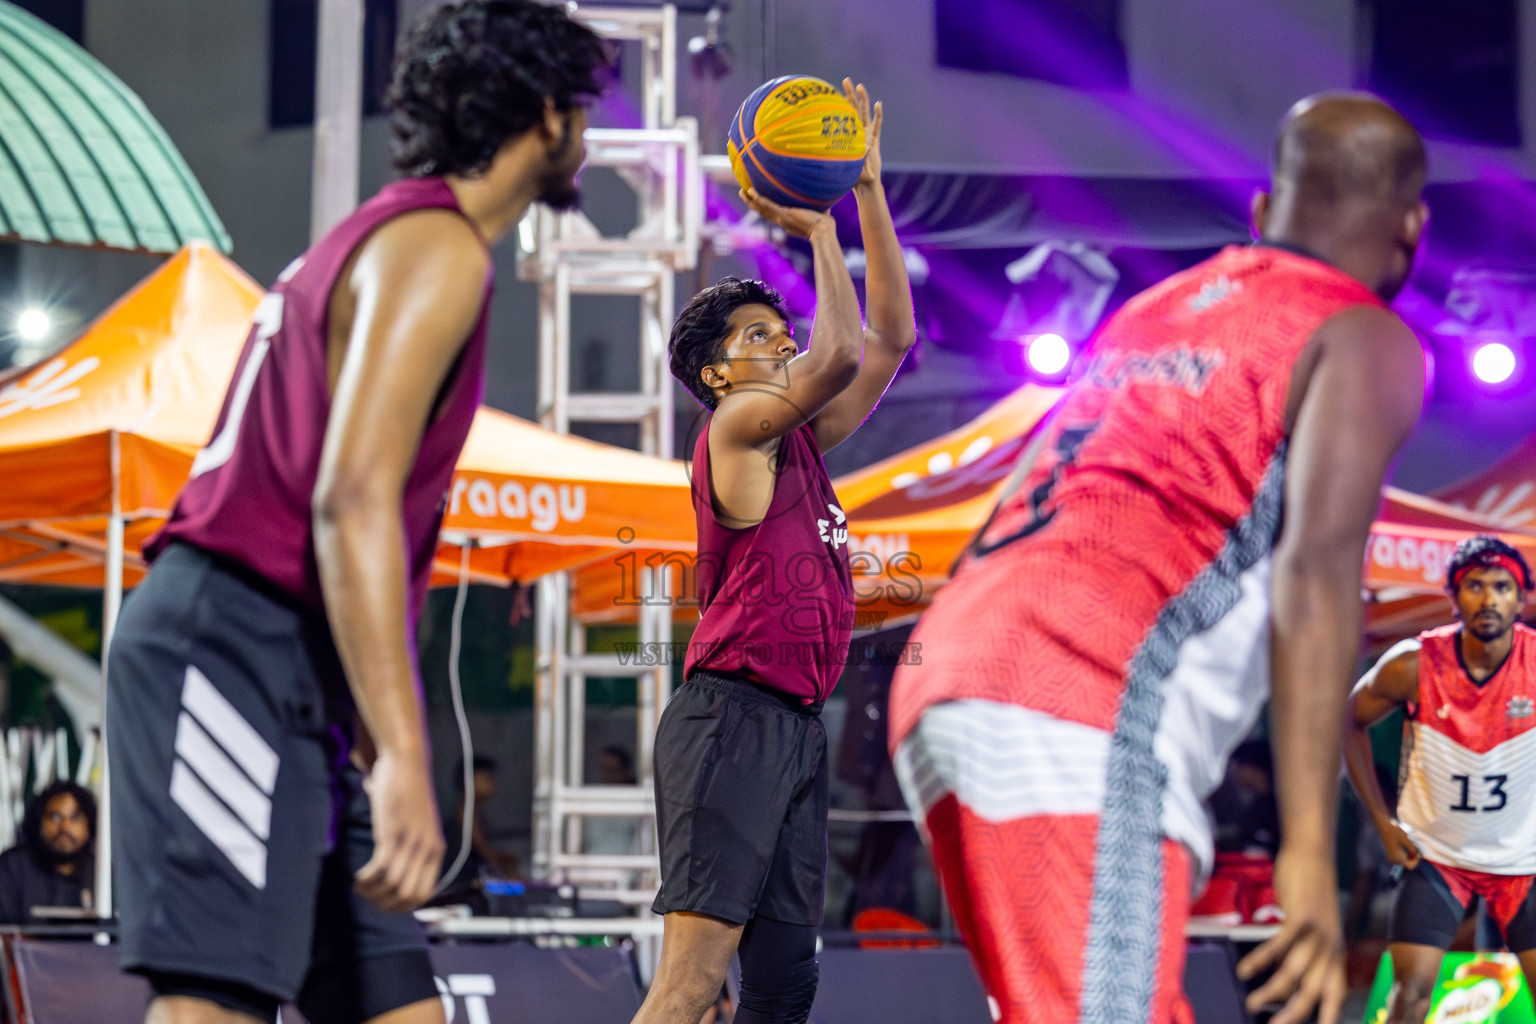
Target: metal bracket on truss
{"x":662,"y":166}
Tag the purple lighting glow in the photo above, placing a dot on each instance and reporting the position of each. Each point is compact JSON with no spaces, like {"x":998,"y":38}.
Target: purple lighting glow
{"x":1048,"y":354}
{"x":1493,"y":362}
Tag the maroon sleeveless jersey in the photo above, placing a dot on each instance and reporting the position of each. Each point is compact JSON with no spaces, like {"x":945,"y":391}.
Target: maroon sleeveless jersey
{"x":775,"y":599}
{"x":248,"y":499}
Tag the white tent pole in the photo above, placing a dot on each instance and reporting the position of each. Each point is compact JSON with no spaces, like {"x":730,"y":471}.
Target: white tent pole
{"x":112,"y":602}
{"x":338,"y":113}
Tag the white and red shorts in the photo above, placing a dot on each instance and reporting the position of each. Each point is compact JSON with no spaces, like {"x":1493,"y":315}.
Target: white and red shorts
{"x":1013,"y":801}
{"x":1434,"y":899}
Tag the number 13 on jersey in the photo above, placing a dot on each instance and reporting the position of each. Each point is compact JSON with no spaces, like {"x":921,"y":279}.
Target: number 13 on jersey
{"x":1490,"y":790}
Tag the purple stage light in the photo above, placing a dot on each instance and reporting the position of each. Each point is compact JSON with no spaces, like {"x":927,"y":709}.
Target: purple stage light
{"x":1493,"y":362}
{"x":1048,"y":354}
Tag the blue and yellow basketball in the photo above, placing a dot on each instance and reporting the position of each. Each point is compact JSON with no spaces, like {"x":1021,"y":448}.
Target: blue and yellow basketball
{"x":797,"y":141}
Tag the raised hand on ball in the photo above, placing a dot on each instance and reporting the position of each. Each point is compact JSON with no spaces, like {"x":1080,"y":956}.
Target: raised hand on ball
{"x":795,"y":220}
{"x":872,"y":119}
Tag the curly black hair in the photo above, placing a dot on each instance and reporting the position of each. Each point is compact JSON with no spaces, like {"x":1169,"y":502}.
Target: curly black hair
{"x":1483,"y":551}
{"x":474,"y":74}
{"x":700,"y":331}
{"x":32,"y":819}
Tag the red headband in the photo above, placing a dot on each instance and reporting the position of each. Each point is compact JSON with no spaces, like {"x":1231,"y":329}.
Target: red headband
{"x":1492,"y":560}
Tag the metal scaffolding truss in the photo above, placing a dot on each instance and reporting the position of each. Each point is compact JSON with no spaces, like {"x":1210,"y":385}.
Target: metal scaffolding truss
{"x":568,"y":257}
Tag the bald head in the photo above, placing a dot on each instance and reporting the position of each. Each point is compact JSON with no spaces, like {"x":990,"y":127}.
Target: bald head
{"x":1348,"y":175}
{"x":1337,"y":148}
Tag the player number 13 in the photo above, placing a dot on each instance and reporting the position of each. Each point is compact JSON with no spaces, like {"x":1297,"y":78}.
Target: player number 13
{"x":1495,"y":785}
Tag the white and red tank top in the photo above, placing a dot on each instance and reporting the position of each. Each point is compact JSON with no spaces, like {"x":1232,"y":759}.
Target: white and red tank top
{"x":249,"y":496}
{"x":1140,"y":540}
{"x":1468,"y":797}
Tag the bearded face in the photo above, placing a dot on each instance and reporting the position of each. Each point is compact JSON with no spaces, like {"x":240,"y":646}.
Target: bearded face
{"x":65,"y":831}
{"x":557,"y":185}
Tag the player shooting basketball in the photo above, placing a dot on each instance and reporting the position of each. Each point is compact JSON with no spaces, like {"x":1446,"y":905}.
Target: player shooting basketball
{"x":741,"y":755}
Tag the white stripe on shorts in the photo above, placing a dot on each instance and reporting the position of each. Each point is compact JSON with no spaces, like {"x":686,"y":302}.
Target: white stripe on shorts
{"x":1002,"y":761}
{"x":247,"y":853}
{"x":219,"y":773}
{"x":219,"y":717}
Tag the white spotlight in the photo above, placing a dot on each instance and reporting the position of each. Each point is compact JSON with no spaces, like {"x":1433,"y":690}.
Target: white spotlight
{"x":1493,"y":363}
{"x":33,"y":325}
{"x":1048,"y":354}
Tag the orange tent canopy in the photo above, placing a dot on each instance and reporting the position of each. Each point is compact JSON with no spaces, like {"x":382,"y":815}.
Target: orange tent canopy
{"x":1412,"y":539}
{"x":110,"y":426}
{"x":935,"y":516}
{"x":526,"y":501}
{"x":1505,"y":493}
{"x":912,"y":515}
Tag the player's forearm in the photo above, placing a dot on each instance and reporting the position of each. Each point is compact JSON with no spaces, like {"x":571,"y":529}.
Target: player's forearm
{"x":1361,"y":763}
{"x":1316,"y":626}
{"x":360,"y":548}
{"x":887,"y":291}
{"x":838,"y":334}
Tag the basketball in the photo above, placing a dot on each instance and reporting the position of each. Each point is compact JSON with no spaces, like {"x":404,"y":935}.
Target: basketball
{"x":797,"y":141}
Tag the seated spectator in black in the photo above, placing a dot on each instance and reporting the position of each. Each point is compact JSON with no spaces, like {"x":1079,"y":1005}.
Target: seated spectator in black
{"x":53,"y":863}
{"x":483,"y":859}
{"x":1247,"y":816}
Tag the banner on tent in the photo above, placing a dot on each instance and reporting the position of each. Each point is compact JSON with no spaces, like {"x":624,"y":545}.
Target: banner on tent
{"x":543,"y":505}
{"x":1411,"y":556}
{"x":1407,"y":559}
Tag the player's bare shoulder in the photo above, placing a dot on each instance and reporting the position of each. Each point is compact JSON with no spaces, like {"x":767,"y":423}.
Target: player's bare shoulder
{"x":433,"y":241}
{"x":428,"y":256}
{"x":1365,"y":347}
{"x":1396,"y":675}
{"x":1375,"y":328}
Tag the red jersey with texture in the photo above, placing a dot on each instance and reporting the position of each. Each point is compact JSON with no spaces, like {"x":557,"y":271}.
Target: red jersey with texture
{"x":1469,"y":776}
{"x":1153,"y":457}
{"x":775,"y":599}
{"x":249,"y":496}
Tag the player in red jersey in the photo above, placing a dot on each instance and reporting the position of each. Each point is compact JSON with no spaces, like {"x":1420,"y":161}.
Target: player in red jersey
{"x":1112,"y":634}
{"x":1466,"y":816}
{"x":741,"y":755}
{"x":268,"y":660}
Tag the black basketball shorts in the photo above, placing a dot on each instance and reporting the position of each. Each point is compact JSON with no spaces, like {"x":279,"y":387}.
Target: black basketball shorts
{"x":238,"y":820}
{"x":741,"y":803}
